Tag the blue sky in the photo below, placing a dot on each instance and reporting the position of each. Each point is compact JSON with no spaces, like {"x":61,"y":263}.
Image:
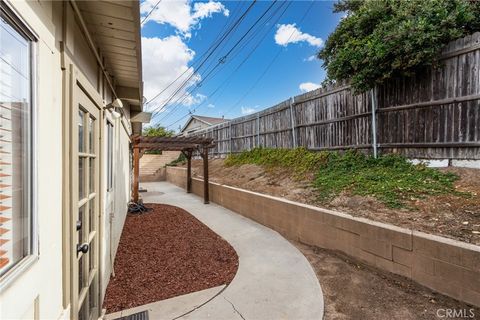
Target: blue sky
{"x":177,"y":33}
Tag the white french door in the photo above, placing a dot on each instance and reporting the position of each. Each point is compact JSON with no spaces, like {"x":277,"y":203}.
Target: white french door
{"x":86,"y":205}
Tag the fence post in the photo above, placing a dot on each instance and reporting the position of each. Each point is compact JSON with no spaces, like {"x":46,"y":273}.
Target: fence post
{"x":292,"y":119}
{"x":258,"y":129}
{"x":230,"y":135}
{"x":374,"y":121}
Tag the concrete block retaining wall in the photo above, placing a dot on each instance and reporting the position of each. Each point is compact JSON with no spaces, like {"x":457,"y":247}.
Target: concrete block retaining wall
{"x":444,"y":265}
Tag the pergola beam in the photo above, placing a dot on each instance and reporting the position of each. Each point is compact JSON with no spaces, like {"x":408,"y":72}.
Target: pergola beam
{"x":184,"y":144}
{"x":178,"y":140}
{"x":166,"y":146}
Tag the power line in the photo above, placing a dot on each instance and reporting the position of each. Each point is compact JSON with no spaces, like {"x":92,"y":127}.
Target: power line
{"x":269,"y":65}
{"x":226,"y":82}
{"x":203,"y":62}
{"x":239,"y":20}
{"x":151,"y":11}
{"x":222,"y":61}
{"x":183,"y":73}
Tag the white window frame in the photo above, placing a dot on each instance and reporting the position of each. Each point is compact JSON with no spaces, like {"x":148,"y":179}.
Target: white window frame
{"x":15,"y":19}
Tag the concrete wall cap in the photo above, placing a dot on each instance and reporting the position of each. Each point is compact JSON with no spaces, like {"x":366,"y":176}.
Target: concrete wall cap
{"x":448,"y":241}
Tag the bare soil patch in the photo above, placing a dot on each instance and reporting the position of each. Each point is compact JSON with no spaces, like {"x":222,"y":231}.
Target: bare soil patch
{"x":451,"y":215}
{"x":353,"y":290}
{"x":164,"y":253}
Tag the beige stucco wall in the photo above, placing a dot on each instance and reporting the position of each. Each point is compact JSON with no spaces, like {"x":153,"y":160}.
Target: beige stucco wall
{"x":38,"y":292}
{"x":115,"y":203}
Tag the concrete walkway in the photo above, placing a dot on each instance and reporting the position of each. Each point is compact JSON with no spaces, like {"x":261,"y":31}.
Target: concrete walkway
{"x":274,"y":280}
{"x":173,"y":308}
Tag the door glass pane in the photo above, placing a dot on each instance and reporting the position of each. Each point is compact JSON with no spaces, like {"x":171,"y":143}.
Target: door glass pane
{"x":81,"y":180}
{"x":82,"y":314}
{"x":92,"y":215}
{"x":90,"y":134}
{"x":81,"y":218}
{"x":91,"y":255}
{"x":80,"y":131}
{"x":93,"y":299}
{"x":91,"y":173}
{"x":81,"y":279}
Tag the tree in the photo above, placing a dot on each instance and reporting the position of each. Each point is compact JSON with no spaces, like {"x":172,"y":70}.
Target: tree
{"x":157,"y":131}
{"x":382,"y":39}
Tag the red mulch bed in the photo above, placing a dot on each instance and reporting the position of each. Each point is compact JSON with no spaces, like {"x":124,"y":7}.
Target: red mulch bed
{"x":164,"y":253}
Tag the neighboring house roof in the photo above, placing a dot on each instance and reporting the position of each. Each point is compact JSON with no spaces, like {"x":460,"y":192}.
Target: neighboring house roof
{"x":210,"y":121}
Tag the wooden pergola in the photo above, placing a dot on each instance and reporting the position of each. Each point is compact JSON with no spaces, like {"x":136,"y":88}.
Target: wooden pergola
{"x":187,"y":145}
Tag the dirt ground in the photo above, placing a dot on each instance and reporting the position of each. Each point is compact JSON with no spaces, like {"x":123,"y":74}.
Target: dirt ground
{"x":164,"y":253}
{"x":353,"y":290}
{"x":452,"y":216}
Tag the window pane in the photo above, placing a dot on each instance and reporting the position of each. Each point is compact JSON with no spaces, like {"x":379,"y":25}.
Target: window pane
{"x":81,"y":279}
{"x":15,"y":125}
{"x":81,"y":179}
{"x":91,"y":168}
{"x":81,"y":218}
{"x":82,"y":314}
{"x":93,"y":294}
{"x":91,"y":214}
{"x":91,"y":255}
{"x":80,"y":131}
{"x":90,"y":134}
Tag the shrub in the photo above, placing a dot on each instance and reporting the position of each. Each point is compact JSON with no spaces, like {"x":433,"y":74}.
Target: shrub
{"x":180,"y":160}
{"x":383,"y":39}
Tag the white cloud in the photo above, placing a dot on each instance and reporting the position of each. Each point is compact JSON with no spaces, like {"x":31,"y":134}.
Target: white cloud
{"x":206,"y":9}
{"x":249,"y":110}
{"x":308,"y":86}
{"x":163,"y":61}
{"x":289,"y":33}
{"x":311,"y":58}
{"x":193,"y":100}
{"x":211,"y":106}
{"x":180,"y":14}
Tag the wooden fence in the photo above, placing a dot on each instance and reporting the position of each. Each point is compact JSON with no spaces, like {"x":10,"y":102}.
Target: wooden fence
{"x":434,"y":114}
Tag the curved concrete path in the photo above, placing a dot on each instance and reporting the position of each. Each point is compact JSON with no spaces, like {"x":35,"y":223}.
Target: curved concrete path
{"x":274,"y":280}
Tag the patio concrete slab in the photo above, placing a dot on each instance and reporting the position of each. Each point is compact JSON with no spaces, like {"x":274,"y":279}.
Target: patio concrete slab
{"x":274,"y":280}
{"x":171,"y":308}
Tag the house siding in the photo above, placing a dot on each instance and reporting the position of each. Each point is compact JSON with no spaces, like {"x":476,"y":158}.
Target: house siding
{"x":41,"y":291}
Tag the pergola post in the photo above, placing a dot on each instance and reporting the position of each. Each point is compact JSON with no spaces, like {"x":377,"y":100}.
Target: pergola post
{"x":136,"y":172}
{"x":206,"y":198}
{"x":189,"y":171}
{"x":184,"y":144}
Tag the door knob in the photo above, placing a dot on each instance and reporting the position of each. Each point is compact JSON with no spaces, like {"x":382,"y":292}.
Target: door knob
{"x":82,"y":248}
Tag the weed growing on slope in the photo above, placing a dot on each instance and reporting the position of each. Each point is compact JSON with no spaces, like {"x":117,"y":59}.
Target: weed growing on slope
{"x":392,"y":179}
